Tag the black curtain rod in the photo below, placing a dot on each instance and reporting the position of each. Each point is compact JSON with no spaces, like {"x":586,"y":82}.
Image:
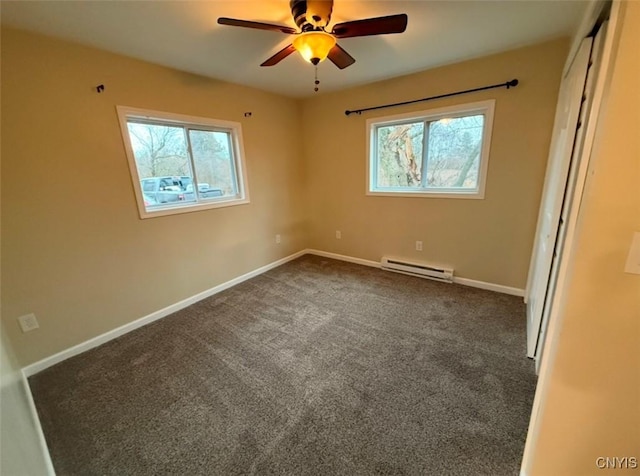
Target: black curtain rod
{"x":509,"y":84}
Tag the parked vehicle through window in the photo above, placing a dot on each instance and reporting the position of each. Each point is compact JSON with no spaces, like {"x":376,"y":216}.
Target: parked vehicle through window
{"x":169,"y":153}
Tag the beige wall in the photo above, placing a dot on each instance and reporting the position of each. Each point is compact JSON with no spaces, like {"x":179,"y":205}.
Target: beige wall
{"x":488,"y":240}
{"x":592,"y":403}
{"x":20,"y":449}
{"x":75,"y":251}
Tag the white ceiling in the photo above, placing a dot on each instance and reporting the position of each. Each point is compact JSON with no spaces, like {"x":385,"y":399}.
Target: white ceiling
{"x":184,"y":35}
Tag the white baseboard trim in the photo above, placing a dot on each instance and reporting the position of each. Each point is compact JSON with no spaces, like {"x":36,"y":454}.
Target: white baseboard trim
{"x":47,"y":362}
{"x":36,"y":421}
{"x":499,"y":288}
{"x":350,"y":259}
{"x":464,"y":281}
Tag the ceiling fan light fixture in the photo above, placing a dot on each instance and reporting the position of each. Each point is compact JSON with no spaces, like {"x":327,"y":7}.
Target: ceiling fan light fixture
{"x":314,"y":46}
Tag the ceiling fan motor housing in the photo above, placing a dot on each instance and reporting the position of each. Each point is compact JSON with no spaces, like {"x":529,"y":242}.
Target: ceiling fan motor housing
{"x":312,"y":40}
{"x":311,"y":15}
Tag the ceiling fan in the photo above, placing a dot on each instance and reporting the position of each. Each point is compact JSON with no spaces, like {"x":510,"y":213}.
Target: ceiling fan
{"x":313,"y":42}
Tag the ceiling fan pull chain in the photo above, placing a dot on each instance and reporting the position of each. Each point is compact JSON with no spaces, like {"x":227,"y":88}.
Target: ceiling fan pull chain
{"x":316,"y":81}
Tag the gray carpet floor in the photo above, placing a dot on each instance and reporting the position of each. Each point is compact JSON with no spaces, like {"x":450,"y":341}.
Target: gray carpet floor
{"x":315,"y":367}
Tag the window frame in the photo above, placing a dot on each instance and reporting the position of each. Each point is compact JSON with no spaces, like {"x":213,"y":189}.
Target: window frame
{"x":190,"y":122}
{"x":485,"y":108}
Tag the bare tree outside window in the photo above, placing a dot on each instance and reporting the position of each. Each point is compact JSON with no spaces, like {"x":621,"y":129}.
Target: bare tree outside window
{"x":400,"y":155}
{"x":160,"y":150}
{"x":212,"y":155}
{"x":454,"y":152}
{"x":431,"y":154}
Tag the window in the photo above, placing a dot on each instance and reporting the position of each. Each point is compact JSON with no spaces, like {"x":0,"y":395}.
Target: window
{"x":170,"y":153}
{"x":438,"y":153}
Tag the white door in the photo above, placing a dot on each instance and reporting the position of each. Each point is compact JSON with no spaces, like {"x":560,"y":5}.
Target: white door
{"x":572,"y":186}
{"x":562,"y":145}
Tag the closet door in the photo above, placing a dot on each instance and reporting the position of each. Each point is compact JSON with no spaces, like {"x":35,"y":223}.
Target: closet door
{"x":565,"y":132}
{"x":573,"y":190}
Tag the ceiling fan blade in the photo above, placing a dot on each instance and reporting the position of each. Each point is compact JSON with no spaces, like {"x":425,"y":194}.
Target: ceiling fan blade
{"x":340,"y":57}
{"x":257,"y":25}
{"x":279,"y":56}
{"x":371,"y":26}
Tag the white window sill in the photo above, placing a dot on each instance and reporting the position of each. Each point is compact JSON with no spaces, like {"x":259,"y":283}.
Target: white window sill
{"x":474,"y":195}
{"x":165,"y":210}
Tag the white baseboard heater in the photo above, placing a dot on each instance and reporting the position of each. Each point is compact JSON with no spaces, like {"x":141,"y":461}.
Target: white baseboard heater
{"x":413,"y":268}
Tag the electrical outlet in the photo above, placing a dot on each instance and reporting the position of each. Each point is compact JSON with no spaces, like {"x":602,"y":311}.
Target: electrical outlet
{"x":418,"y":245}
{"x":278,"y":239}
{"x":28,"y":322}
{"x":338,"y":235}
